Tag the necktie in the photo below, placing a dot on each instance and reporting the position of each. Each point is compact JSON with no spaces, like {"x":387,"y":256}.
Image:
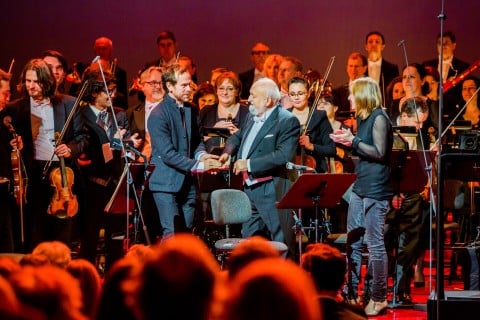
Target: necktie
{"x":101,"y":119}
{"x":185,"y":132}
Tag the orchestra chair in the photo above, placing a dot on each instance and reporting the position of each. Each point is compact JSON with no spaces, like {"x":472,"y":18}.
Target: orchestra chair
{"x":229,"y":206}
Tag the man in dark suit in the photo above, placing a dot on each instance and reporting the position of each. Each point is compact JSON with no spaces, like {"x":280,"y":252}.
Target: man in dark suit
{"x":177,"y":151}
{"x":37,"y":116}
{"x":267,"y":142}
{"x":356,"y":67}
{"x":379,"y":69}
{"x":451,"y":68}
{"x":259,"y":53}
{"x":101,"y":165}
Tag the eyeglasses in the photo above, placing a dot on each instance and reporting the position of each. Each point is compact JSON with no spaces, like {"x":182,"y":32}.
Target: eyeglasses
{"x":298,"y":94}
{"x":257,"y":53}
{"x":154,"y":83}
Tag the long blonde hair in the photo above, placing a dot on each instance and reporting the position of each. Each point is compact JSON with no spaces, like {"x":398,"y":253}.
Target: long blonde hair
{"x":366,"y":96}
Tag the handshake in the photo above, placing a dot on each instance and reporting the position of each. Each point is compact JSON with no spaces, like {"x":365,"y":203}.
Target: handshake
{"x":213,"y":163}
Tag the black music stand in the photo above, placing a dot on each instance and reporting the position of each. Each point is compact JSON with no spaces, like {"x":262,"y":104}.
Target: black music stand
{"x":316,"y":190}
{"x":409,"y":175}
{"x":124,"y":197}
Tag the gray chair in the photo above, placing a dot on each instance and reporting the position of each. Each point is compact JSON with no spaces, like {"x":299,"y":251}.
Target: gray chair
{"x":229,"y":206}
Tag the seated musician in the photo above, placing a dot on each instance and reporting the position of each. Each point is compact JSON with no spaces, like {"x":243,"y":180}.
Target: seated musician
{"x":314,"y":140}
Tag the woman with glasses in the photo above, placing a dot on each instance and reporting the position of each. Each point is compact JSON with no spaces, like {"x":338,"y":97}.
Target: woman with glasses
{"x":314,"y":138}
{"x":228,"y":113}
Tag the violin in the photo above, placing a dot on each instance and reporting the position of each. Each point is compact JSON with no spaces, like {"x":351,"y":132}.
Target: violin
{"x":15,"y":157}
{"x":64,"y":203}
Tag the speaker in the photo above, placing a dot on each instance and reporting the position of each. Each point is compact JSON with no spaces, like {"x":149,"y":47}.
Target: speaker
{"x":469,"y":142}
{"x":456,"y":305}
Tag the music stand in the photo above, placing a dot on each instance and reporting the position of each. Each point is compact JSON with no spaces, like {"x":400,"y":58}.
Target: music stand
{"x":409,"y":175}
{"x":316,"y":190}
{"x":124,"y":197}
{"x":216,"y":132}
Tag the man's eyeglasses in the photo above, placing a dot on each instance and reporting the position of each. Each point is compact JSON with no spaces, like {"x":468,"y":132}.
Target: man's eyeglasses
{"x":257,"y":53}
{"x":297,"y":94}
{"x":154,"y":83}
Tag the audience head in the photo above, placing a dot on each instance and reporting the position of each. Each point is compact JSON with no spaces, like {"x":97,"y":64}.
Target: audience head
{"x":56,"y":252}
{"x":151,"y":84}
{"x":103,"y":47}
{"x":34,"y":260}
{"x":259,"y":53}
{"x":89,"y":280}
{"x":327,"y":266}
{"x":205,"y":95}
{"x":181,"y":270}
{"x":264,"y":94}
{"x":8,"y":266}
{"x":4,"y":88}
{"x":272,"y":289}
{"x":47,"y":292}
{"x":365,"y":96}
{"x":247,"y":251}
{"x":37,"y":80}
{"x":357,"y":65}
{"x":59,"y":65}
{"x":166,"y":45}
{"x":9,"y":306}
{"x":272,"y":66}
{"x":139,"y":252}
{"x":374,"y":45}
{"x":289,"y":68}
{"x":229,"y":88}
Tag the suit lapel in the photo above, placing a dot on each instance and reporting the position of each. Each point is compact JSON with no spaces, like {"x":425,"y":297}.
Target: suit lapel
{"x":139,"y":117}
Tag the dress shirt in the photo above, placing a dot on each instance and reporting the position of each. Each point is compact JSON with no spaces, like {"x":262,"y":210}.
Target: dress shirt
{"x":374,"y":69}
{"x":43,"y":130}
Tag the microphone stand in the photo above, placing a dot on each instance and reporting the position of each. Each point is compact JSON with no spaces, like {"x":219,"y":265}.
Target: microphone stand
{"x":126,"y":241}
{"x":428,"y":167}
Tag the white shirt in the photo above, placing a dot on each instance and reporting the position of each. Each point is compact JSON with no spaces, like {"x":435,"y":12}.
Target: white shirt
{"x":374,"y":69}
{"x":43,"y":130}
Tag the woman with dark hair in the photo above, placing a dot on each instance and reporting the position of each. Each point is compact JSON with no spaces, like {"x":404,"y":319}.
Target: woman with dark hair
{"x":394,"y":91}
{"x":472,"y":108}
{"x":371,"y":192}
{"x":316,"y":141}
{"x":205,"y":96}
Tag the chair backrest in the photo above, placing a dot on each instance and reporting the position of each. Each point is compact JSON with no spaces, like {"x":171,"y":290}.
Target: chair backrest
{"x":230,"y":206}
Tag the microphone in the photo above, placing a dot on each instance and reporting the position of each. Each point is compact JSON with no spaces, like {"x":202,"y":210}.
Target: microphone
{"x":401,"y":43}
{"x":291,"y":165}
{"x":96,"y":59}
{"x":229,"y":117}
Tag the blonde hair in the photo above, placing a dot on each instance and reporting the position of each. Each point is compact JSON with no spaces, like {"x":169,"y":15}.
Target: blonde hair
{"x":366,"y":96}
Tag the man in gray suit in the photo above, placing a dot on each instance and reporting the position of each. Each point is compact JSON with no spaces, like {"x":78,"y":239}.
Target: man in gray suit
{"x":177,"y":151}
{"x":267,"y":142}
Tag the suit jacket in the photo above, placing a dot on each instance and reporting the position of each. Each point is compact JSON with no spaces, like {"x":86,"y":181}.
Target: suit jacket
{"x":136,"y":120}
{"x":388,"y":71}
{"x":108,"y":171}
{"x":319,"y":130}
{"x":272,"y":148}
{"x":172,"y":153}
{"x":75,"y":136}
{"x":458,"y":66}
{"x":246,"y":78}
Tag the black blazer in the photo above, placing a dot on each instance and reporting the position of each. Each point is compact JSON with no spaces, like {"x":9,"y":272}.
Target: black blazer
{"x":388,"y":71}
{"x":246,"y":78}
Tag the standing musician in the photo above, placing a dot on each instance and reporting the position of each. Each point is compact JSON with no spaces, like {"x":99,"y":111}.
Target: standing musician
{"x":36,"y":117}
{"x":6,"y":203}
{"x":101,"y":165}
{"x":263,"y":147}
{"x":314,"y":140}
